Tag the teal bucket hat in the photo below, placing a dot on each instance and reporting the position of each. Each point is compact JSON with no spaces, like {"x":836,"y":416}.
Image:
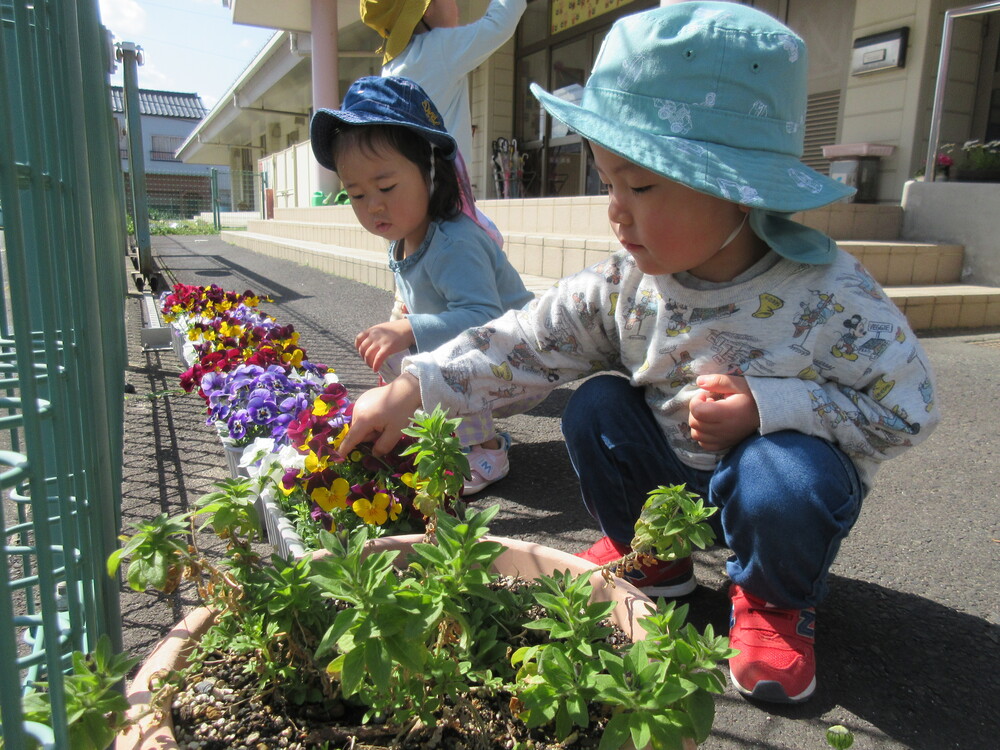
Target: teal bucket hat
{"x":711,"y":95}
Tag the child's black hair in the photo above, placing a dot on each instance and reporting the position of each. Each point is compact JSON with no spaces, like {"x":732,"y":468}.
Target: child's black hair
{"x":445,"y":198}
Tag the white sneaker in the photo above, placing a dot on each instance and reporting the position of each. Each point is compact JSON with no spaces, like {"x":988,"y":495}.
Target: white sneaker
{"x":487,"y":465}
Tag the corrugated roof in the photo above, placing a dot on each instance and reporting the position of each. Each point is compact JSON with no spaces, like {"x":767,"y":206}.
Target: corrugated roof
{"x":162,"y":103}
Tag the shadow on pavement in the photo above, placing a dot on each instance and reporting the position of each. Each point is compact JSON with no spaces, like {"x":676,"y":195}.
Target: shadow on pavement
{"x":921,"y":673}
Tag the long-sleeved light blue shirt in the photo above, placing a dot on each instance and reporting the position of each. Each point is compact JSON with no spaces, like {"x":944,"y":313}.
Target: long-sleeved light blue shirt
{"x":457,"y":278}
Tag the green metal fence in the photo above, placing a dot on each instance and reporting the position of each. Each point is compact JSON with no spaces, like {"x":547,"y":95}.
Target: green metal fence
{"x":62,"y":351}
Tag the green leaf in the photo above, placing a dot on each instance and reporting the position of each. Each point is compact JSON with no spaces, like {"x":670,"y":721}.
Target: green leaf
{"x":616,"y":733}
{"x":700,"y":707}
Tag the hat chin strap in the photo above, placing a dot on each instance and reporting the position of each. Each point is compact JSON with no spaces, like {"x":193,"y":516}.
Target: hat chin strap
{"x":430,"y":190}
{"x":735,"y":232}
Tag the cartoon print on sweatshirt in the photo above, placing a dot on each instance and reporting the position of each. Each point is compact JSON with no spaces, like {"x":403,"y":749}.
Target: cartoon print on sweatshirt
{"x":641,"y":309}
{"x":504,"y":393}
{"x":737,"y":353}
{"x":502,"y":371}
{"x":523,"y":358}
{"x":709,"y":314}
{"x":457,"y":376}
{"x":862,"y":281}
{"x":610,"y":268}
{"x":588,"y":314}
{"x":481,"y":336}
{"x":769,"y":303}
{"x":819,"y":312}
{"x":682,"y":371}
{"x":925,"y":387}
{"x":828,"y":411}
{"x":852,"y":342}
{"x":676,"y":324}
{"x":560,"y":340}
{"x":889,"y":422}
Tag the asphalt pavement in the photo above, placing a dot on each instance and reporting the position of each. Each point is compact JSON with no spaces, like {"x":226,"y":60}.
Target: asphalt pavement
{"x":908,"y":640}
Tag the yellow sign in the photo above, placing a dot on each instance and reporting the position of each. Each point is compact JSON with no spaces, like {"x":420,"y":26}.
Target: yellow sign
{"x":568,"y":13}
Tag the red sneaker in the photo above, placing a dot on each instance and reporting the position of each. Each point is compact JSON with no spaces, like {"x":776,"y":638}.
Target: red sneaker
{"x":776,"y":662}
{"x":605,"y":550}
{"x":669,"y":579}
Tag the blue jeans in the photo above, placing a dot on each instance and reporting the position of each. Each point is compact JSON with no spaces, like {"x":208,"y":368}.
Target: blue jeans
{"x":785,"y":500}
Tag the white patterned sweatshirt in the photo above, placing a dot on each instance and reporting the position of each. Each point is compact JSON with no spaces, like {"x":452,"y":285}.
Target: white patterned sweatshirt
{"x":825,"y":352}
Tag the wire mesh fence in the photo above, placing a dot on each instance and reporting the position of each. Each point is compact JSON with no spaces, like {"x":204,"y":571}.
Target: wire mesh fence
{"x":62,"y":358}
{"x":171,"y":195}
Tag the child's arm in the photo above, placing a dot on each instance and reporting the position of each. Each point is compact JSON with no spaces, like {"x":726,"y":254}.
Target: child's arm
{"x":465,"y":48}
{"x":378,"y":343}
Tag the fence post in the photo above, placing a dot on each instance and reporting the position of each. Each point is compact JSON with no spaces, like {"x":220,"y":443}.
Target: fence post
{"x":216,"y":219}
{"x":130,"y":55}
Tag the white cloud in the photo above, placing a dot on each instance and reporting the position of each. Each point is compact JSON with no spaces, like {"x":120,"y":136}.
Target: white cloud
{"x":125,"y":18}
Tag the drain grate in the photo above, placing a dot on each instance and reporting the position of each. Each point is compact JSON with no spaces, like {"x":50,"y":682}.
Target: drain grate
{"x":987,"y":342}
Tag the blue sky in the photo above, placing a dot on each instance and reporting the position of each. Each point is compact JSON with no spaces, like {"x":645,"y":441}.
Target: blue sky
{"x":188,"y":45}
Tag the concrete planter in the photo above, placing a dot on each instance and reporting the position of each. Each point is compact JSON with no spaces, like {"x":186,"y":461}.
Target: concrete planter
{"x":520,"y":558}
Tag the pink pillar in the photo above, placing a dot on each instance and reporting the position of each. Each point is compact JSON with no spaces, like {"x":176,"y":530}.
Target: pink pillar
{"x":325,"y":76}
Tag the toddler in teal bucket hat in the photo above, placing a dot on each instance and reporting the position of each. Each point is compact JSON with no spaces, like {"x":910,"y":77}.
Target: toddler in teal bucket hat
{"x":712,"y":96}
{"x":725,"y":347}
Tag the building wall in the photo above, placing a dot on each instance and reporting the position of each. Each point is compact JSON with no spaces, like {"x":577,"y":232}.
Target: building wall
{"x":894,"y":107}
{"x":161,"y":126}
{"x":492,"y":106}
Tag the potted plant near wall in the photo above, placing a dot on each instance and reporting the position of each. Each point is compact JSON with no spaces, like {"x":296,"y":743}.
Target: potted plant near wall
{"x":435,"y":639}
{"x":974,"y":161}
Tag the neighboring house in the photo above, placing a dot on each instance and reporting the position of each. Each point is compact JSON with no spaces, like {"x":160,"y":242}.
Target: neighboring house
{"x":264,"y":117}
{"x":174,"y":189}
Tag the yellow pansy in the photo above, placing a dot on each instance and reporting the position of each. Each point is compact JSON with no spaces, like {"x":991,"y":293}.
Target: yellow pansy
{"x":334,"y":497}
{"x":395,"y":508}
{"x":372,"y":512}
{"x":314,"y":463}
{"x":340,"y":437}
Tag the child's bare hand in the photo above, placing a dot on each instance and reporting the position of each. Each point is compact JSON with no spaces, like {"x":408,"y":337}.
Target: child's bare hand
{"x":723,"y":412}
{"x":380,"y":415}
{"x":378,"y":343}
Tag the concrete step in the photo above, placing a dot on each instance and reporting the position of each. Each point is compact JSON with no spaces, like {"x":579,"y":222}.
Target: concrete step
{"x":360,"y":264}
{"x":921,"y":278}
{"x":891,"y":262}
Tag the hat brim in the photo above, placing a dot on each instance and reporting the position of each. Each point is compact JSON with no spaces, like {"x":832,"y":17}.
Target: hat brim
{"x":327,"y":122}
{"x":762,"y":179}
{"x":402,"y":30}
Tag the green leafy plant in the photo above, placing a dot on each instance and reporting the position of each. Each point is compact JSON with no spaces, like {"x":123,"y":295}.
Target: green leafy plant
{"x":975,"y":155}
{"x":95,"y":707}
{"x":670,"y":525}
{"x":418,"y":643}
{"x":441,"y":464}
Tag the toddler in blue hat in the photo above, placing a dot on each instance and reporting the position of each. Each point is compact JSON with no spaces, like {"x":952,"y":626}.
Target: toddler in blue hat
{"x":397,"y":163}
{"x":725,"y":346}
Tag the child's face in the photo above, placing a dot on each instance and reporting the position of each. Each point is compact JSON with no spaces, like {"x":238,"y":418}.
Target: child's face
{"x":388,"y":193}
{"x":669,"y":228}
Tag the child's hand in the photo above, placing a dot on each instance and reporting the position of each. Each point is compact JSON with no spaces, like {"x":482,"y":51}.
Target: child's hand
{"x":378,"y":343}
{"x":723,"y":412}
{"x":381,"y":414}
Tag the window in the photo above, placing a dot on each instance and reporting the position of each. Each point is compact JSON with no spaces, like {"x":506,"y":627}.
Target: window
{"x":164,"y":147}
{"x":557,"y":43}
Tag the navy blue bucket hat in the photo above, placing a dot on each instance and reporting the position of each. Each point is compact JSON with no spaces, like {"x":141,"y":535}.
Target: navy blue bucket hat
{"x":709,"y":94}
{"x":377,"y":100}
